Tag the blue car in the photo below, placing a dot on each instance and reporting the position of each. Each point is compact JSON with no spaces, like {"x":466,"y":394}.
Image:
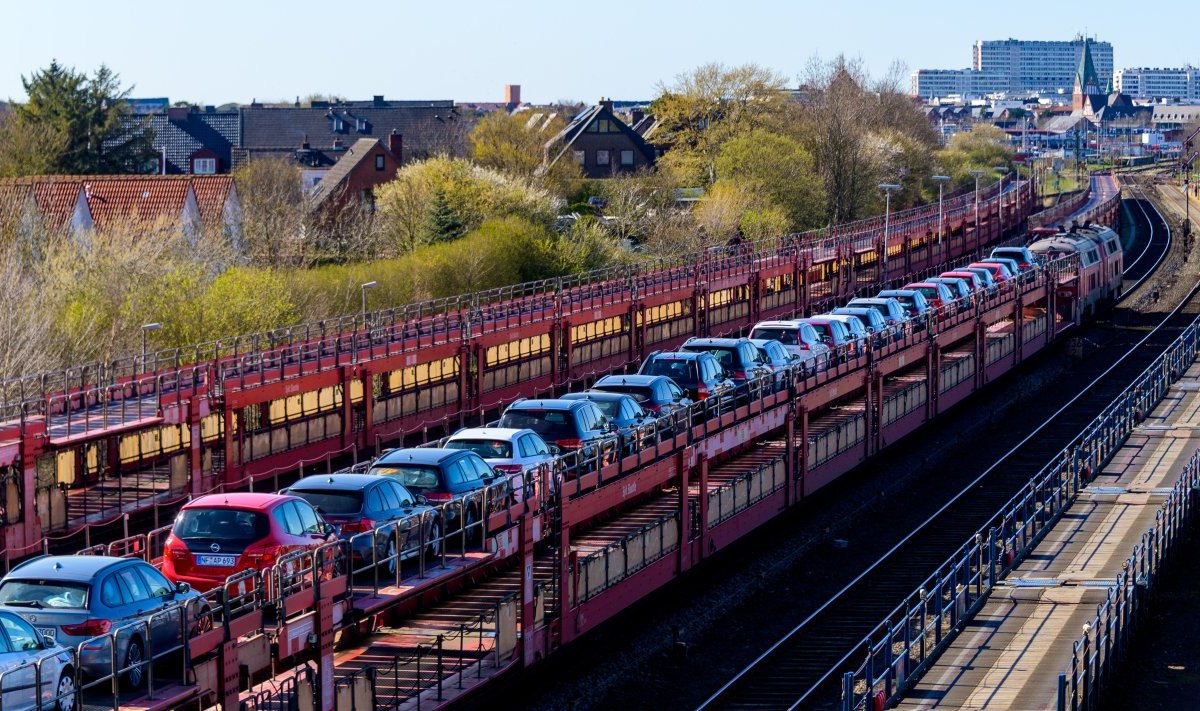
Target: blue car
{"x":74,"y":598}
{"x":356,"y":504}
{"x":442,"y":476}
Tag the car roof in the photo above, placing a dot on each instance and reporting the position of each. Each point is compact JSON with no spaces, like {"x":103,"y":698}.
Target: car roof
{"x":251,"y":501}
{"x":713,"y":341}
{"x":73,"y":568}
{"x":506,"y":433}
{"x":630,"y":379}
{"x":761,"y":342}
{"x":678,"y":355}
{"x":598,"y":396}
{"x":818,"y":319}
{"x":548,"y":404}
{"x":777,"y":324}
{"x":418,"y":455}
{"x":871,"y":300}
{"x":902,"y":292}
{"x":338,"y":482}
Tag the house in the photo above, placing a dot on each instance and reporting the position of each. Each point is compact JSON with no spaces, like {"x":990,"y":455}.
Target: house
{"x":81,"y":204}
{"x":318,"y":136}
{"x":353,"y":179}
{"x":601,"y":143}
{"x":192,"y":141}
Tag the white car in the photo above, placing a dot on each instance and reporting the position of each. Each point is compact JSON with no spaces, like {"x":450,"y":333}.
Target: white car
{"x":506,"y":450}
{"x":21,"y":648}
{"x":800,"y":339}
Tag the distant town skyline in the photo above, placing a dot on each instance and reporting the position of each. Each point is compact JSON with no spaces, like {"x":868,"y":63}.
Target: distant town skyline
{"x":467,"y":51}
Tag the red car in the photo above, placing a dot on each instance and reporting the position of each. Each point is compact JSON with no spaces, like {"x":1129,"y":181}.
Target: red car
{"x":218,"y":535}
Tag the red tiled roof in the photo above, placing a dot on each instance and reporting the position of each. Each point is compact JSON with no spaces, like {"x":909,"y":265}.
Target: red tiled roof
{"x":55,"y":202}
{"x":141,"y":198}
{"x":211,"y":193}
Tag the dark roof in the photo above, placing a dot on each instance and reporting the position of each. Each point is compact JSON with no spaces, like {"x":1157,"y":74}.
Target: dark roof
{"x":219,"y":132}
{"x":340,"y":482}
{"x":547,"y":404}
{"x":559,"y":145}
{"x":74,"y":568}
{"x":628,"y":380}
{"x":425,"y":126}
{"x":362,"y":149}
{"x":1085,"y":75}
{"x":418,"y":455}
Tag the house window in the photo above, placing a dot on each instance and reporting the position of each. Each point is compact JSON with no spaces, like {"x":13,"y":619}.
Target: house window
{"x":580,"y":157}
{"x":602,"y":158}
{"x":626,"y":157}
{"x":379,"y":162}
{"x":204,"y":166}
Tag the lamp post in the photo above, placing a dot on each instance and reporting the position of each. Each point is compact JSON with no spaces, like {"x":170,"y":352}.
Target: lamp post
{"x":365,"y":287}
{"x":146,"y":329}
{"x":887,"y":189}
{"x":941,"y":180}
{"x":977,"y":173}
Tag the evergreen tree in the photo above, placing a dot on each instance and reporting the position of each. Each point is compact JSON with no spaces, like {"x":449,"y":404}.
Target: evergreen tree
{"x":443,"y":222}
{"x":92,"y":115}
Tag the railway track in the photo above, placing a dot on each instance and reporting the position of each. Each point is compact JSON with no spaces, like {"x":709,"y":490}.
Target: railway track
{"x":802,"y":670}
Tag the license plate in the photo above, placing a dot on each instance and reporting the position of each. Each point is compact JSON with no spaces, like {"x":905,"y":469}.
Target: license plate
{"x":51,"y":632}
{"x":225,"y":561}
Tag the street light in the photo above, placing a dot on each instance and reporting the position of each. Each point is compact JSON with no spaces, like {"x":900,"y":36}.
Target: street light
{"x":146,"y":329}
{"x":977,"y":172}
{"x":887,"y":189}
{"x":941,"y":180}
{"x":364,"y":287}
{"x":1002,"y":170}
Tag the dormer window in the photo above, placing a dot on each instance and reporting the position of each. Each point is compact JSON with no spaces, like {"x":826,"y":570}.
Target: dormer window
{"x":204,"y":166}
{"x":360,"y":125}
{"x":338,"y":124}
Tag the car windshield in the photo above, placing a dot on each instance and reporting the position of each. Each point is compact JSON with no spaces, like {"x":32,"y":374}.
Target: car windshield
{"x":786,"y":336}
{"x":328,"y":501}
{"x":683,"y":372}
{"x":824,"y":331}
{"x":486,"y":448}
{"x":724,"y":356}
{"x":414,"y":476}
{"x":928,"y":291}
{"x":608,"y":407}
{"x":44,"y":594}
{"x":220,"y":524}
{"x":552,"y":425}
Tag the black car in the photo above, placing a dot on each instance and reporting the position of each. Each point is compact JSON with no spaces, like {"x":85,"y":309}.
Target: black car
{"x":441,"y":476}
{"x":355,"y":504}
{"x":739,"y":357}
{"x":697,"y":372}
{"x":655,"y":393}
{"x":634,"y":424}
{"x":571,"y":425}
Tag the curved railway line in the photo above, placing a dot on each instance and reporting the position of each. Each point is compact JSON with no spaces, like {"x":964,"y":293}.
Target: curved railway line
{"x":801,"y":668}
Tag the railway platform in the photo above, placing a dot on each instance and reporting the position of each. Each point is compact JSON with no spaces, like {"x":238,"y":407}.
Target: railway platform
{"x":1039,"y":640}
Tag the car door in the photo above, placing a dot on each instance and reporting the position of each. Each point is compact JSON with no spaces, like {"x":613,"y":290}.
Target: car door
{"x":312,"y":528}
{"x":138,"y":606}
{"x":16,"y":684}
{"x":393,"y":510}
{"x":20,"y":648}
{"x":166,"y":627}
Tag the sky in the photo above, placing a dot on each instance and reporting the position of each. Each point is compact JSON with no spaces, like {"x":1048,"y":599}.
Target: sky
{"x":219,"y":51}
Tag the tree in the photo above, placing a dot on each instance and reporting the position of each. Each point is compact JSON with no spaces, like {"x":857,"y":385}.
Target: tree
{"x":982,"y":148}
{"x":778,"y":169}
{"x":273,"y":224}
{"x":513,"y":144}
{"x":444,"y":224}
{"x":92,"y":116}
{"x":27,"y":147}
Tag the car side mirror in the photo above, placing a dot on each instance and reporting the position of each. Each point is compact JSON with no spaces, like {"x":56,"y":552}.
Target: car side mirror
{"x":554,"y":449}
{"x":421,"y":500}
{"x":327,"y":529}
{"x":182,"y":588}
{"x":49,"y":642}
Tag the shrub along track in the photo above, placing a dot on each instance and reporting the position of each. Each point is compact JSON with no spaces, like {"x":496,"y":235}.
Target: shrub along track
{"x":682,"y":643}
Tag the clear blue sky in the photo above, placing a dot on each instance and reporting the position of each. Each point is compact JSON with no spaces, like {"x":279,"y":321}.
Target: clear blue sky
{"x":216,"y":51}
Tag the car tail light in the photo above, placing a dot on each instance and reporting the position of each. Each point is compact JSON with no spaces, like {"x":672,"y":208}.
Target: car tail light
{"x":569,"y":443}
{"x":439,"y":496}
{"x":804,"y":346}
{"x":701,"y":392}
{"x":263,"y":558}
{"x":509,"y":468}
{"x":88,"y":628}
{"x":362,"y":525}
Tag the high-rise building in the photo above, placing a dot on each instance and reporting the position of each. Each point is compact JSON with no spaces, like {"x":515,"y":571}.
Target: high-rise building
{"x":1044,"y":67}
{"x":966,"y":83}
{"x":1182,"y":84}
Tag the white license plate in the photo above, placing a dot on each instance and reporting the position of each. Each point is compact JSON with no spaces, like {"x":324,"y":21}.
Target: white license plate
{"x":224,"y":561}
{"x":51,"y":632}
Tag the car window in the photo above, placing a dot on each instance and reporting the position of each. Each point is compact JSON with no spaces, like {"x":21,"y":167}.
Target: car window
{"x":289,"y":518}
{"x":110,"y":592}
{"x":390,"y":500}
{"x":675,"y":390}
{"x":221,"y":525}
{"x":375,"y":500}
{"x":587,"y":418}
{"x":134,"y":585}
{"x":679,"y":370}
{"x":308,"y":517}
{"x":400,"y":493}
{"x":482,"y":470}
{"x":159,"y":586}
{"x":20,"y":635}
{"x":414,"y":476}
{"x":526,"y":447}
{"x":457,"y":473}
{"x":550,"y":424}
{"x":539,"y":445}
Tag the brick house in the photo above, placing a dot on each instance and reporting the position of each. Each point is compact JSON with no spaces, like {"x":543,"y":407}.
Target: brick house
{"x":353,"y":179}
{"x":601,"y":143}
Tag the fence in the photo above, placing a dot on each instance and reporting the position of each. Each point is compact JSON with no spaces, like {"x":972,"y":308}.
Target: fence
{"x":910,"y":638}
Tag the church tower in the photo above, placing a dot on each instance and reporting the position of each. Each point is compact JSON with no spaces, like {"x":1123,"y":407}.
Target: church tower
{"x":1088,"y":95}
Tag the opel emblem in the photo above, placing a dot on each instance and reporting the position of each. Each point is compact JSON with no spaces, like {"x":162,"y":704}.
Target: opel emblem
{"x":215,"y":547}
{"x":31,"y":618}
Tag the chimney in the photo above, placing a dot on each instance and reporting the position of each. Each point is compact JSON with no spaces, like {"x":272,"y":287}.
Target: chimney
{"x":607,"y":104}
{"x":636,"y":116}
{"x":178,"y":114}
{"x":512,"y":94}
{"x":377,"y":100}
{"x":396,"y":145}
{"x":305,"y":144}
{"x":337,"y":144}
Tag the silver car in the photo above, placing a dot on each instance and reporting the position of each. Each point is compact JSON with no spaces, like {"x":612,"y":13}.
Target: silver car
{"x":73,"y":599}
{"x":27,"y":660}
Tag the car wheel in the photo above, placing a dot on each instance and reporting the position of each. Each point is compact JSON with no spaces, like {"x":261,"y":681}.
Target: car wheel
{"x":470,"y":521}
{"x":393,"y":555}
{"x":135,"y":665}
{"x":64,"y":693}
{"x":204,"y":621}
{"x":434,"y":549}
